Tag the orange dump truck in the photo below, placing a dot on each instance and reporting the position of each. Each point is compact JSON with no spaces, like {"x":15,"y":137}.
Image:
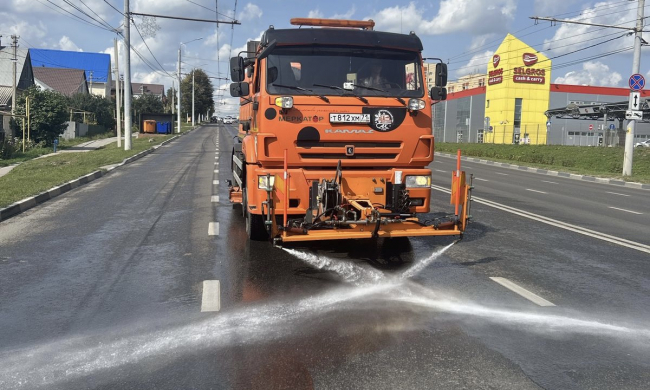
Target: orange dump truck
{"x":335,"y":135}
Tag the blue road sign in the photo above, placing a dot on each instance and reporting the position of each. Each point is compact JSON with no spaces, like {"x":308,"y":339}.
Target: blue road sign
{"x":611,"y":126}
{"x":637,"y":82}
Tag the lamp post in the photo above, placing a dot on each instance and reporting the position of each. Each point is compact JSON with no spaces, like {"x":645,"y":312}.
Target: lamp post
{"x":178,"y":129}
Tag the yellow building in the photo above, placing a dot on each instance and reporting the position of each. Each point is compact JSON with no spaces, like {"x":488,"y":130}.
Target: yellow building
{"x":517,"y":94}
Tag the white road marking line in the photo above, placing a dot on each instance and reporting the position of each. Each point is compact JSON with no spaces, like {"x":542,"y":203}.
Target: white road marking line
{"x":627,"y":211}
{"x":536,"y":299}
{"x":215,"y":182}
{"x":216,"y":163}
{"x":215,"y":198}
{"x":213,"y":229}
{"x":541,"y":192}
{"x":211,"y":296}
{"x":549,"y":182}
{"x":554,"y":222}
{"x":440,"y":170}
{"x":216,"y":157}
{"x":502,"y":174}
{"x":616,"y":193}
{"x":216,"y":171}
{"x":479,"y":179}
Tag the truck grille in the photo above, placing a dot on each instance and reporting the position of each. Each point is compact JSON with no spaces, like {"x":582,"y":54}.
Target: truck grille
{"x":335,"y":150}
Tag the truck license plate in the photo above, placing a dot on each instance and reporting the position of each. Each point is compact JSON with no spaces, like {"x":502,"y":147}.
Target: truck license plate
{"x":349,"y":118}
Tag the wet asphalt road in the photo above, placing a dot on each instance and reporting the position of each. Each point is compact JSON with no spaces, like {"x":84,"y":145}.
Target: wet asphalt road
{"x":101,"y":288}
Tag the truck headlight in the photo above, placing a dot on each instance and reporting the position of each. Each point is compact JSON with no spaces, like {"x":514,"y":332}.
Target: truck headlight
{"x":418,"y":181}
{"x":265,"y":182}
{"x":416,"y":104}
{"x":284,"y":101}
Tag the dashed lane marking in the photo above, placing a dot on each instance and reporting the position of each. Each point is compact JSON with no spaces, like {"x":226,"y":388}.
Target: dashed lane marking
{"x":211,"y":296}
{"x":541,"y":192}
{"x":215,"y":182}
{"x":549,"y":182}
{"x":502,"y":174}
{"x":627,"y":211}
{"x":536,"y":299}
{"x":216,"y":171}
{"x":215,"y":198}
{"x":479,"y":179}
{"x":213,"y":229}
{"x":440,"y":170}
{"x":616,"y":193}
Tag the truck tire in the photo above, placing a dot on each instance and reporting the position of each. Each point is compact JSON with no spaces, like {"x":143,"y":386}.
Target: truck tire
{"x":255,"y":228}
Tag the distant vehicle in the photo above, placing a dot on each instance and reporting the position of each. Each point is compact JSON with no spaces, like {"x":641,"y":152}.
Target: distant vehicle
{"x":643,"y":144}
{"x":228,"y":120}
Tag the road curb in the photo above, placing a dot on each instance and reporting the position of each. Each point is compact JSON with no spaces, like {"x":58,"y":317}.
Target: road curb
{"x":542,"y":171}
{"x":32,"y":201}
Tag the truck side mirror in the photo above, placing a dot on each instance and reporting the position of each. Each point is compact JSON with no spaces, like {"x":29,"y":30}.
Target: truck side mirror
{"x":441,"y":75}
{"x":438,"y":93}
{"x":239,"y":89}
{"x":237,"y":69}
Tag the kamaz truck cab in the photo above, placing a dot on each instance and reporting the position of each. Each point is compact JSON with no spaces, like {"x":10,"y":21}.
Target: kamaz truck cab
{"x":335,"y":135}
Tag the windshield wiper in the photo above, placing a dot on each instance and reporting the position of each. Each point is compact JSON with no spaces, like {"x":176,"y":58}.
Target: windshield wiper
{"x":300,"y":89}
{"x":370,"y":88}
{"x":327,"y":86}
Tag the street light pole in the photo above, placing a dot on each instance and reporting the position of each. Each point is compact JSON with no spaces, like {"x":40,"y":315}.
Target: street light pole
{"x":127,"y":77}
{"x":178,"y":93}
{"x":636,"y":66}
{"x":193,"y":97}
{"x":178,"y":130}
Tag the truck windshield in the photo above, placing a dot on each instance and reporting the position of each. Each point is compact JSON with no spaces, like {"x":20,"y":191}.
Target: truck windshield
{"x":341,"y":71}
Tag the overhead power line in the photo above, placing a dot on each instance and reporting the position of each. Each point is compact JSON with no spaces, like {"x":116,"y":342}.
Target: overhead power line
{"x":233,"y":22}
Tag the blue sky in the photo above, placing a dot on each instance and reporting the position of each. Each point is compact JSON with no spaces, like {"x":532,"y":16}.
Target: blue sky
{"x":464,"y":33}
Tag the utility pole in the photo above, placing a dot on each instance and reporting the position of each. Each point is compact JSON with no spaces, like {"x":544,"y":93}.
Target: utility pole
{"x":118,"y":115}
{"x":127,"y":77}
{"x":91,"y":82}
{"x":172,"y":97}
{"x":14,"y":45}
{"x":178,"y":128}
{"x":636,"y":66}
{"x":193,"y":97}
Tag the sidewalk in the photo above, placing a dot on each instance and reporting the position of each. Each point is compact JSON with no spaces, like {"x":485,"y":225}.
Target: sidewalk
{"x":83,"y":147}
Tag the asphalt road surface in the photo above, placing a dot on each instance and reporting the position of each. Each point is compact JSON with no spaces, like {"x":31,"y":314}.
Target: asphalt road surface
{"x":144,"y":279}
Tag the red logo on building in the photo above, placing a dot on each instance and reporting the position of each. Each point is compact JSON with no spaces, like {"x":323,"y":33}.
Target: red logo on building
{"x":495,"y":60}
{"x":530,"y":59}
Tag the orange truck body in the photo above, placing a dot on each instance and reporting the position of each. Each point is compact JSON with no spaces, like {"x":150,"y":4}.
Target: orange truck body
{"x":319,"y":160}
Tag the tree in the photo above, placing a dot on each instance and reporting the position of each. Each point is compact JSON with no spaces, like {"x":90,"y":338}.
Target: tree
{"x":203,"y":93}
{"x":148,"y":104}
{"x":100,"y":108}
{"x":48,"y":111}
{"x":171,"y":99}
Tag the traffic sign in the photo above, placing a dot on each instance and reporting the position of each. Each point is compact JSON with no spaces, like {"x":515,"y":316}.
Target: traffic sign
{"x":611,"y":126}
{"x":630,"y":114}
{"x":591,"y":127}
{"x":635,"y":101}
{"x":637,"y":82}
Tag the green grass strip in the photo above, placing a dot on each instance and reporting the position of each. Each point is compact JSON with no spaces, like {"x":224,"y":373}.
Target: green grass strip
{"x":38,"y":175}
{"x":592,"y":161}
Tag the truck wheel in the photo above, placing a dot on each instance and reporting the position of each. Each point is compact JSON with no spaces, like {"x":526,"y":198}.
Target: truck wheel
{"x":255,"y":227}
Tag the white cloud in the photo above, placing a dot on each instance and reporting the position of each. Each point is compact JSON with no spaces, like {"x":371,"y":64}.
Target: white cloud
{"x":250,"y":12}
{"x":467,"y":16}
{"x":477,"y":64}
{"x":66,"y":43}
{"x":593,"y":73}
{"x":316,"y":13}
{"x":552,"y":7}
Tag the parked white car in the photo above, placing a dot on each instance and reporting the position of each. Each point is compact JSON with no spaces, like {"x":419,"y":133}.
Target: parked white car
{"x":643,"y":144}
